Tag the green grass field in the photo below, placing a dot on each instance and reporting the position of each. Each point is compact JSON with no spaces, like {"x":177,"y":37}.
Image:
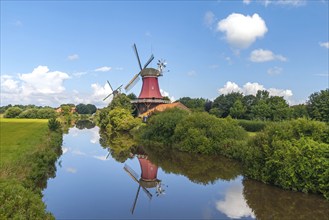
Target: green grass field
{"x":19,"y":139}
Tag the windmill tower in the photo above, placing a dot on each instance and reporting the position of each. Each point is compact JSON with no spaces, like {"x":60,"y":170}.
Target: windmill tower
{"x":150,"y":95}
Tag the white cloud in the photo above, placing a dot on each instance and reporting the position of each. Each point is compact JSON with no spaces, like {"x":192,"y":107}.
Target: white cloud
{"x":103,"y":158}
{"x":73,"y":57}
{"x":8,"y":84}
{"x":41,"y":81}
{"x":274,"y":71}
{"x":234,"y":205}
{"x":209,"y":19}
{"x":103,"y":69}
{"x":40,"y":87}
{"x":324,"y":44}
{"x":295,"y":3}
{"x":241,"y":31}
{"x":230,"y":87}
{"x":261,"y":55}
{"x":191,"y":73}
{"x":71,"y":170}
{"x":247,"y":2}
{"x":252,"y":88}
{"x":164,"y":93}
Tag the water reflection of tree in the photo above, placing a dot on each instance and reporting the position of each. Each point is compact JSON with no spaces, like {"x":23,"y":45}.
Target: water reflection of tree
{"x":119,"y":145}
{"x":82,"y":124}
{"x":198,"y":168}
{"x":271,"y":202}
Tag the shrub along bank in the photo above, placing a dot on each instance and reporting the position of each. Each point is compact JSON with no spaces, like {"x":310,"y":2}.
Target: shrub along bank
{"x":28,"y":155}
{"x":290,"y":154}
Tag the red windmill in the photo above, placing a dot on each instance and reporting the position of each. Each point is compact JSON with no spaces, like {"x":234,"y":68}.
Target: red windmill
{"x":150,"y":95}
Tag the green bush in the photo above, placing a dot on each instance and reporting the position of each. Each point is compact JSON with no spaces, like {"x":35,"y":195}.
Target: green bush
{"x":291,"y":154}
{"x":53,"y":124}
{"x":12,"y":112}
{"x":207,"y":134}
{"x":18,"y":202}
{"x":252,"y":126}
{"x":121,"y":120}
{"x":161,"y":126}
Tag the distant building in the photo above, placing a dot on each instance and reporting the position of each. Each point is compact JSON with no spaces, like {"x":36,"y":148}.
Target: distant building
{"x":73,"y":110}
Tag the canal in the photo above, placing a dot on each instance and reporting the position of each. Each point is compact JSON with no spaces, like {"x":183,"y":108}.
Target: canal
{"x":95,"y":182}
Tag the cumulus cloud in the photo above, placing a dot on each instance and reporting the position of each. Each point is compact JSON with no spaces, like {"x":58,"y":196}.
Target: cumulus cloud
{"x":73,"y":57}
{"x":252,"y":88}
{"x":234,"y":205}
{"x":103,"y":69}
{"x":324,"y":44}
{"x":261,"y":55}
{"x":164,"y":93}
{"x":71,"y":170}
{"x":241,"y":31}
{"x":42,"y":81}
{"x":41,"y":86}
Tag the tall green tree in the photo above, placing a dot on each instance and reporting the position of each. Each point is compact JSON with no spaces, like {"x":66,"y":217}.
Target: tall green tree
{"x":12,"y":112}
{"x":197,"y":104}
{"x":318,"y":105}
{"x":224,"y":102}
{"x":237,"y":110}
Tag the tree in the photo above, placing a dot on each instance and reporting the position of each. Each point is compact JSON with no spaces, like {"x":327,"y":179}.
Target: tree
{"x":12,"y":112}
{"x":121,"y":101}
{"x":29,"y":113}
{"x":225,"y":102}
{"x":197,"y":104}
{"x":132,"y":96}
{"x":237,"y":110}
{"x":86,"y":109}
{"x":299,"y":111}
{"x":261,"y":110}
{"x":318,"y":105}
{"x":279,"y":108}
{"x":46,"y":113}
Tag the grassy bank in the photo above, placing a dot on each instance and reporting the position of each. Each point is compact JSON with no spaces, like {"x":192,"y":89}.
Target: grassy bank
{"x":28,"y":152}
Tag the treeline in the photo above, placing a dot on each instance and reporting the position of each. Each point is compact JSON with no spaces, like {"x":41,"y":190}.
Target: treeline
{"x":33,"y":111}
{"x":262,"y":106}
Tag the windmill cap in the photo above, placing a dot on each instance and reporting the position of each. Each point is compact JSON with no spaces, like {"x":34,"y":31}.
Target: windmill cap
{"x":150,"y":72}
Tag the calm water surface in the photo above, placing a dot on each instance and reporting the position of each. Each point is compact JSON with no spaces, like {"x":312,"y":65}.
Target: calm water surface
{"x":93,"y":182}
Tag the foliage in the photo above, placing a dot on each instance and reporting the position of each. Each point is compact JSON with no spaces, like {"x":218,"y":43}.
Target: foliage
{"x":196,"y":104}
{"x":132,"y":96}
{"x":18,"y":202}
{"x":318,"y":105}
{"x":207,"y":134}
{"x":299,"y":111}
{"x":291,"y":154}
{"x":224,"y":102}
{"x":120,"y":101}
{"x":252,"y":126}
{"x":204,"y":169}
{"x":29,"y":113}
{"x":12,"y":112}
{"x":161,"y":126}
{"x":237,"y":110}
{"x":85,"y":123}
{"x":53,"y":124}
{"x":46,"y":113}
{"x":86,"y":109}
{"x":121,"y":120}
{"x":26,"y":162}
{"x":266,"y":200}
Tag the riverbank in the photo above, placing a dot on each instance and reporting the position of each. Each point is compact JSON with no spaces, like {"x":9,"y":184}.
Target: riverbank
{"x":28,"y":154}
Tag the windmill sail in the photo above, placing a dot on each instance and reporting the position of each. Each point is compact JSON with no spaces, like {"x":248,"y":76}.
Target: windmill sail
{"x":134,"y":176}
{"x":132,"y":82}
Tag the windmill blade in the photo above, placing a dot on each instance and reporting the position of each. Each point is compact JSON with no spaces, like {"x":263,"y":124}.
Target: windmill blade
{"x":149,"y":61}
{"x":134,"y":176}
{"x":132,"y":82}
{"x":110,"y":85}
{"x":107,"y":156}
{"x":118,"y":88}
{"x":136,"y":52}
{"x":108,"y":96}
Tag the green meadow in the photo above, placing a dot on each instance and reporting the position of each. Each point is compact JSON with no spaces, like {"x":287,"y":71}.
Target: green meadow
{"x":19,"y":139}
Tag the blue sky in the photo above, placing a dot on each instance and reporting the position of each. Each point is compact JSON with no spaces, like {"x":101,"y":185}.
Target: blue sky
{"x":63,"y":52}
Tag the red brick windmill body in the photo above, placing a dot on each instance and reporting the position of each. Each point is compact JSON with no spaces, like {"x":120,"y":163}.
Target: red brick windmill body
{"x":150,"y":95}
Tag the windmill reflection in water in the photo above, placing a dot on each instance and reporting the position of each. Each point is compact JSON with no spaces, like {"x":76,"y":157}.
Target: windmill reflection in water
{"x":147,"y":180}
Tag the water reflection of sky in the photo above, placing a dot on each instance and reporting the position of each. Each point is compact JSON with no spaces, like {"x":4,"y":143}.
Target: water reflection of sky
{"x":89,"y":186}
